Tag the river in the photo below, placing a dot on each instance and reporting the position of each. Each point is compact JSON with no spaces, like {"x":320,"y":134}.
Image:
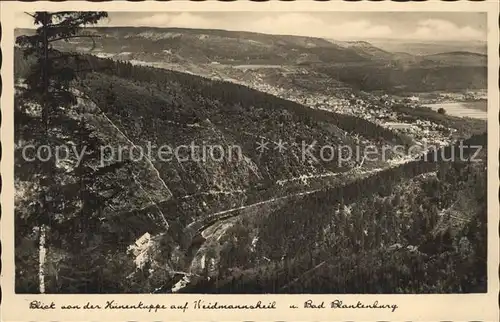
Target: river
{"x":476,"y":110}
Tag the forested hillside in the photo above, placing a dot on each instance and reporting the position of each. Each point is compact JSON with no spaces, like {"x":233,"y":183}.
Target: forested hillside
{"x":124,"y":105}
{"x":423,"y":234}
{"x":276,"y":216}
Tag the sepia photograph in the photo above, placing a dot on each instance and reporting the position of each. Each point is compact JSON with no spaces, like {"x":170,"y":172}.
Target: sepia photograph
{"x":250,"y":152}
{"x":227,"y":161}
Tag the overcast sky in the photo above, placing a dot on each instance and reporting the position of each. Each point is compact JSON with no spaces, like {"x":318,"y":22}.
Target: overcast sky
{"x":337,"y":25}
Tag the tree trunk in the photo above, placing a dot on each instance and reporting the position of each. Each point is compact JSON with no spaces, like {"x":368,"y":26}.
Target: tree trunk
{"x":42,"y":255}
{"x":45,"y":179}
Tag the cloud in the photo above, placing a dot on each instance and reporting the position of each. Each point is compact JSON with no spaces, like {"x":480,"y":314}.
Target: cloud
{"x":437,"y":29}
{"x":361,"y":29}
{"x":181,"y":20}
{"x":299,"y":24}
{"x":307,"y":25}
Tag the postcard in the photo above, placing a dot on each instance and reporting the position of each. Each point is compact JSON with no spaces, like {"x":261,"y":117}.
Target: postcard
{"x":228,"y":161}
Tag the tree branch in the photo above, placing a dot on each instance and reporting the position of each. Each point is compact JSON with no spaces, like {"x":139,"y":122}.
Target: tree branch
{"x":29,"y":14}
{"x":75,"y":36}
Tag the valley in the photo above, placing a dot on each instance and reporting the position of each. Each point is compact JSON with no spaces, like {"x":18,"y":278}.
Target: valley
{"x":263,"y":222}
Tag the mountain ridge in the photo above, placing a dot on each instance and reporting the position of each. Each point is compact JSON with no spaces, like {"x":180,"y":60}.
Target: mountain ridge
{"x":356,"y":64}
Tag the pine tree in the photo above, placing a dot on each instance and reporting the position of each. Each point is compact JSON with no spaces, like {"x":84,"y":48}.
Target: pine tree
{"x":67,"y":206}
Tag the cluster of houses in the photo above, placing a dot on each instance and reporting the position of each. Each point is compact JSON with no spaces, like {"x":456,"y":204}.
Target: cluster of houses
{"x":377,"y":109}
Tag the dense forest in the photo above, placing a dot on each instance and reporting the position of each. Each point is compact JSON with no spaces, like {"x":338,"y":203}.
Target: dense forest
{"x":401,"y":239}
{"x":396,"y":227}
